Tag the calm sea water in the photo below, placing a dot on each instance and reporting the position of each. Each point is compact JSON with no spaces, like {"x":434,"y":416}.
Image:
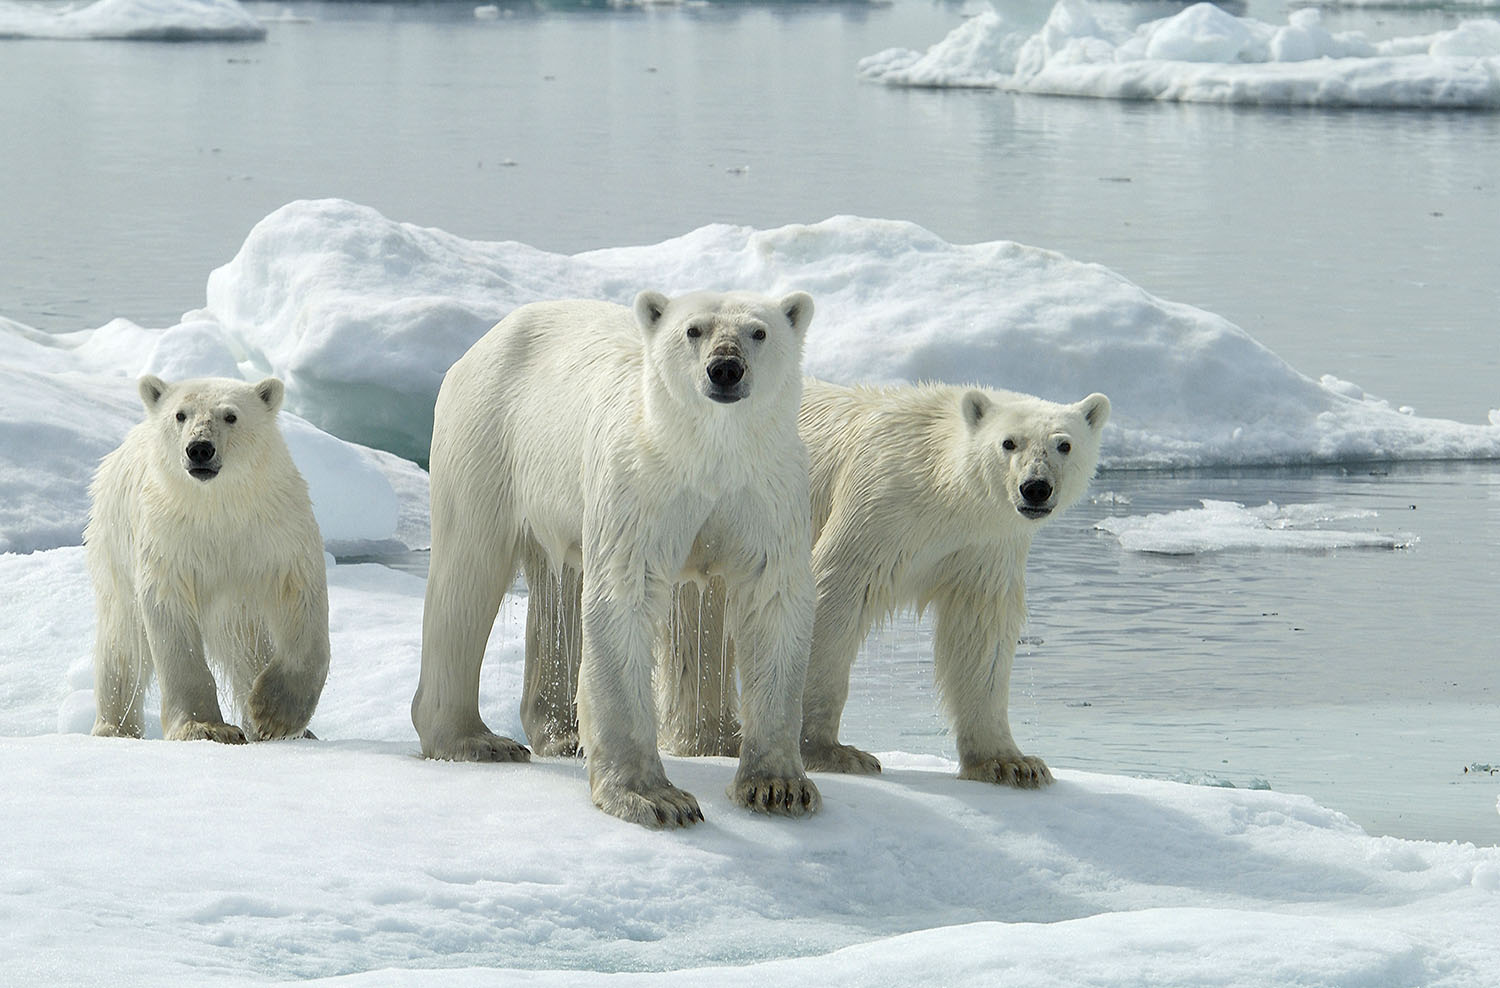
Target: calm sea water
{"x":1358,"y":243}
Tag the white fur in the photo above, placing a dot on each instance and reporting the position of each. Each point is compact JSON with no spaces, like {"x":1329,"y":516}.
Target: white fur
{"x":585,"y":442}
{"x":916,"y":503}
{"x":192,"y":575}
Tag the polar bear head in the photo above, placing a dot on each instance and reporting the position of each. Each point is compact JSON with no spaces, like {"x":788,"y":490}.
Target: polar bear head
{"x":210,"y":426}
{"x":1036,"y":455}
{"x":725,"y":347}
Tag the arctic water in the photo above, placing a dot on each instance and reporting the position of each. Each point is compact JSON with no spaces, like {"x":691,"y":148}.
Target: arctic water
{"x":1355,"y":243}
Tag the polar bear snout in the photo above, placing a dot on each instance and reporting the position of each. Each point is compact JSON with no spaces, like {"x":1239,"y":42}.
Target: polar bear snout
{"x":202,"y":460}
{"x":1036,"y":497}
{"x":726,"y":372}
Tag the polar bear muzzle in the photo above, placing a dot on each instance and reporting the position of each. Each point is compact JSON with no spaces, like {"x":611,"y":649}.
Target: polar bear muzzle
{"x":202,"y":460}
{"x":726,"y":371}
{"x":1036,"y":498}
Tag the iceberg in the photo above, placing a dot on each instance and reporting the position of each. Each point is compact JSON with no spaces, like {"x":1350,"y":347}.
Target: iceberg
{"x":1204,"y":54}
{"x":361,"y":316}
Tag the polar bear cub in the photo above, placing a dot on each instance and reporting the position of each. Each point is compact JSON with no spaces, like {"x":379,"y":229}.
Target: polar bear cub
{"x":632,"y":449}
{"x":205,"y":555}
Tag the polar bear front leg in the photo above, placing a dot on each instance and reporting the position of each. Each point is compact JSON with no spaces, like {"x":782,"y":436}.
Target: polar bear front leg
{"x":189,"y":696}
{"x":616,"y":714}
{"x":286,"y":692}
{"x":773,"y":629}
{"x":974,"y":648}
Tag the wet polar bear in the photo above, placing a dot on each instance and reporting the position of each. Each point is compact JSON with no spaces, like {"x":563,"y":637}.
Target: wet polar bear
{"x":205,"y":555}
{"x":632,"y":449}
{"x":924,"y":495}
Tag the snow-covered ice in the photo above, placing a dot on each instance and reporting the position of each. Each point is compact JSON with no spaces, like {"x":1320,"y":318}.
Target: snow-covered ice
{"x":186,"y":862}
{"x":361,"y":315}
{"x":352,"y":859}
{"x":1205,"y":54}
{"x":131,"y":20}
{"x":1226,"y":526}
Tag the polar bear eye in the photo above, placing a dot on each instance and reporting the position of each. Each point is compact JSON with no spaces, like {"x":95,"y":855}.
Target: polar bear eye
{"x":1008,"y":445}
{"x":1065,"y":447}
{"x":182,"y":416}
{"x":694,"y":332}
{"x":759,"y":334}
{"x":232,"y":418}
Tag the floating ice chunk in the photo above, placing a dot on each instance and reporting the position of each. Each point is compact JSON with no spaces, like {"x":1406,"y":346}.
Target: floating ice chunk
{"x":362,"y":315}
{"x":1203,"y":53}
{"x":133,"y":20}
{"x":1225,"y":526}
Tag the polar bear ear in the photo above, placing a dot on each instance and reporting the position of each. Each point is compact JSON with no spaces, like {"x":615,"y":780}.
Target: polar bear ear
{"x":1095,"y":409}
{"x":649,"y":308}
{"x":151,"y":388}
{"x":271,"y":391}
{"x":798,"y":309}
{"x":975,"y":406}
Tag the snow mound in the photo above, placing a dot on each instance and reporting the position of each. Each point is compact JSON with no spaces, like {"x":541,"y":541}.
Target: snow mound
{"x":1227,"y":526}
{"x":132,"y":20}
{"x":362,"y":315}
{"x":1204,"y":54}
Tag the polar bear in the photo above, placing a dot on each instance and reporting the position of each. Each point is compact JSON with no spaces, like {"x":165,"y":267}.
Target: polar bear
{"x":925,"y":495}
{"x":630,"y":449}
{"x":205,"y":556}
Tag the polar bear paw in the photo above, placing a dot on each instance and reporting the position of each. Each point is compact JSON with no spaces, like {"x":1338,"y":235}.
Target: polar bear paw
{"x":843,"y":758}
{"x":781,"y":796}
{"x":663,"y":807}
{"x":277,"y":708}
{"x":207,"y":730}
{"x":481,"y":746}
{"x":1021,"y":771}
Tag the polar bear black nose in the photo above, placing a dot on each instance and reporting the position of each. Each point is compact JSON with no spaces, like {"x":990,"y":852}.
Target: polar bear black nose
{"x":200,"y":451}
{"x":1036,"y":491}
{"x":726,"y":372}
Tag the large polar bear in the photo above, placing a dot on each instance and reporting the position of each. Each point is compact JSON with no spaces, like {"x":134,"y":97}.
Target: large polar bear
{"x":621,"y":452}
{"x":924,"y":495}
{"x":205,"y":555}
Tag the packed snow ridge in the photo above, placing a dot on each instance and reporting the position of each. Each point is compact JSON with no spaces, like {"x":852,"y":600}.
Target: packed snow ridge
{"x":132,"y":20}
{"x":1204,"y":54}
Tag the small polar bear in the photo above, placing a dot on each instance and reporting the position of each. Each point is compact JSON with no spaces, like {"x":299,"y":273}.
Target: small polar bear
{"x":205,"y":556}
{"x":617,"y":452}
{"x":925,"y":495}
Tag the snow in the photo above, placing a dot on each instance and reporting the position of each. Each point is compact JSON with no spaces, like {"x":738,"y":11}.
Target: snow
{"x":361,"y":315}
{"x":132,"y":20}
{"x":1227,"y":526}
{"x":184,"y":862}
{"x":1204,"y":54}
